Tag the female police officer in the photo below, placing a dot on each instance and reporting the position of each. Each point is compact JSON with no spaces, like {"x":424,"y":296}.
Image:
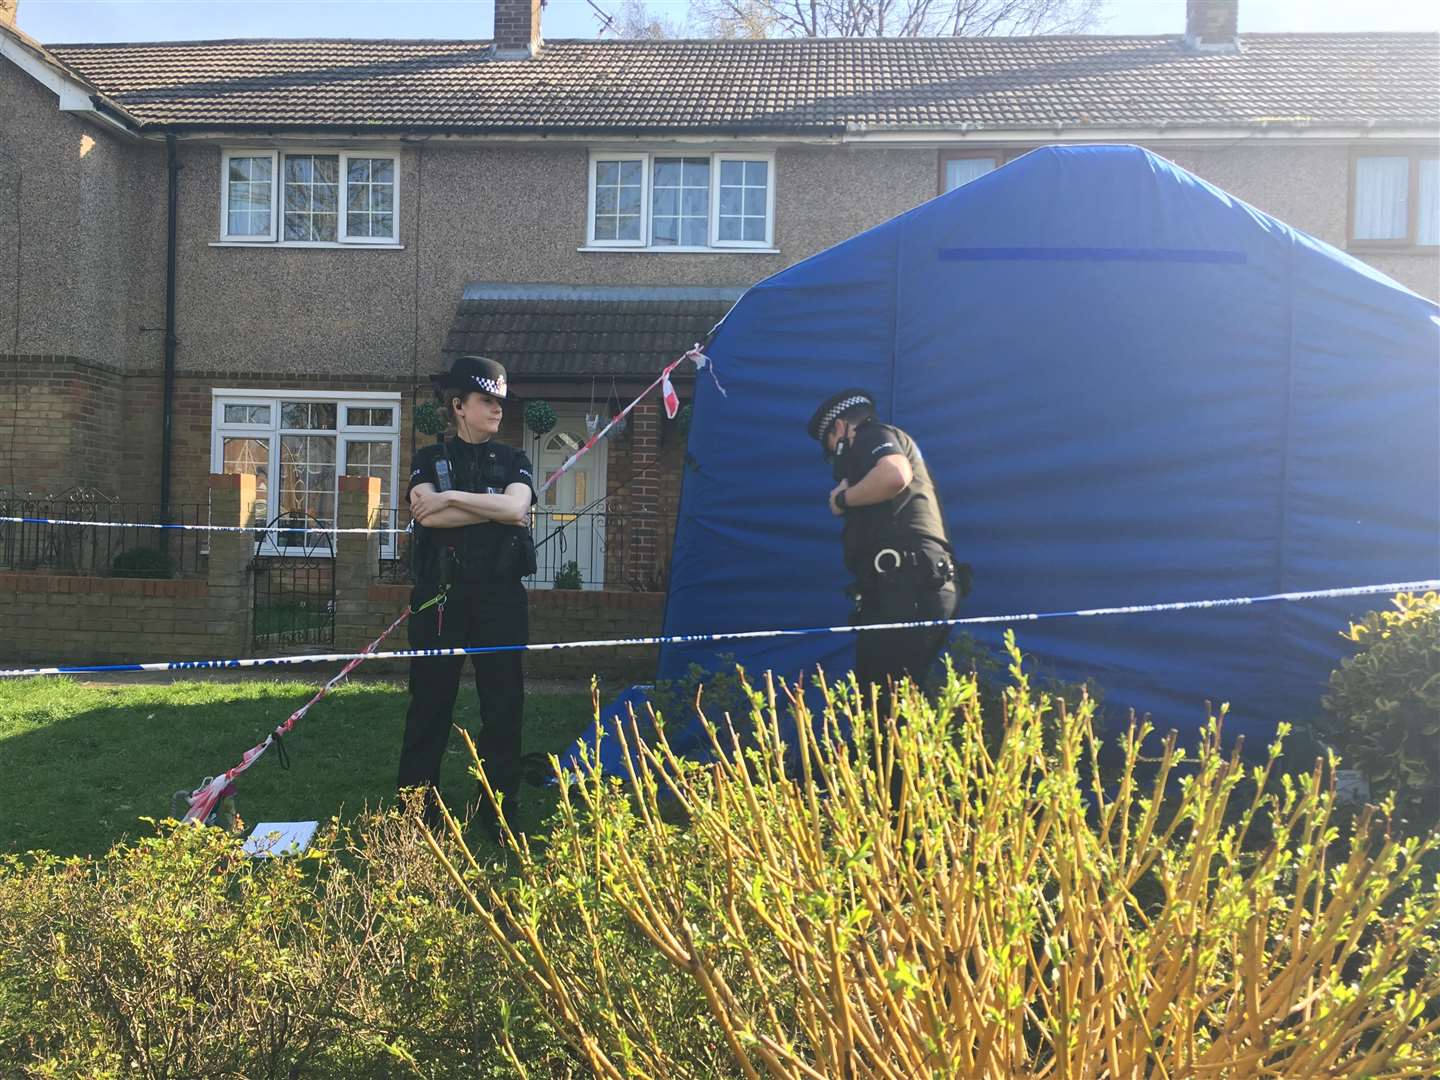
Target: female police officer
{"x":470,"y":497}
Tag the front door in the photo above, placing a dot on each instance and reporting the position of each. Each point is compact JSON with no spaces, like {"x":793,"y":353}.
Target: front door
{"x":570,"y":516}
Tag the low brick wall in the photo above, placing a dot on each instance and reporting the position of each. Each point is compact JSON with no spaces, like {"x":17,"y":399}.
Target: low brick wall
{"x":63,"y":619}
{"x":53,"y":618}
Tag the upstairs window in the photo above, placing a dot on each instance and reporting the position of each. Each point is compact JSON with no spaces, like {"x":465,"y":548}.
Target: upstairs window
{"x":299,"y":199}
{"x":1395,"y":199}
{"x":681,"y":201}
{"x":958,"y":168}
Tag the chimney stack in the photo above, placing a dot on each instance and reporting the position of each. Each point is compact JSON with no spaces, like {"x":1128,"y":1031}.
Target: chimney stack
{"x":517,"y":29}
{"x":1212,"y":25}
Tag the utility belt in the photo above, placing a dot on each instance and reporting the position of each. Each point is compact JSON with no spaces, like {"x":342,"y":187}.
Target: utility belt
{"x":919,"y":569}
{"x":448,"y":564}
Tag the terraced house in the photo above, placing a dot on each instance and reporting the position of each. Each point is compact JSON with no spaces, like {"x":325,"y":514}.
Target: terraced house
{"x":246,"y":255}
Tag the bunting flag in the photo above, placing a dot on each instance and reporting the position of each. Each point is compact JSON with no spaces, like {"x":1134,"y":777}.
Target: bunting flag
{"x":672,"y":399}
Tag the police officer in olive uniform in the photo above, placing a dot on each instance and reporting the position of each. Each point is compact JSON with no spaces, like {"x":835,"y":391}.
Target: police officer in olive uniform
{"x":470,"y":497}
{"x":894,"y":540}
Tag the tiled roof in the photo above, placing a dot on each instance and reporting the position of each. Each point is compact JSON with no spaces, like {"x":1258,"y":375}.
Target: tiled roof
{"x":815,"y":85}
{"x":556,"y":330}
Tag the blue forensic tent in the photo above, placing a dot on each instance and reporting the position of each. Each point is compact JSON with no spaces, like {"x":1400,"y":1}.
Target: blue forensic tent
{"x":1130,"y":387}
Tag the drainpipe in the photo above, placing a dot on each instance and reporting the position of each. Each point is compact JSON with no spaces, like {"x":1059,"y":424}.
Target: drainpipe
{"x":167,"y":398}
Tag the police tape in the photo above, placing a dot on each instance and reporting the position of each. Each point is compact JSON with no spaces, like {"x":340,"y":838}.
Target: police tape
{"x":733,"y":635}
{"x":272,"y":527}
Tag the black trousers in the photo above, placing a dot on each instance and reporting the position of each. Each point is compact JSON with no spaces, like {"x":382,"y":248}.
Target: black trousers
{"x":882,"y":656}
{"x":475,"y":614}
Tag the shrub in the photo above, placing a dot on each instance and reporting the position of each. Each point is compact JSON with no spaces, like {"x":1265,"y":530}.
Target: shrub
{"x":904,"y":902}
{"x":568,"y":576}
{"x":1384,"y":702}
{"x":143,"y":562}
{"x":178,"y":956}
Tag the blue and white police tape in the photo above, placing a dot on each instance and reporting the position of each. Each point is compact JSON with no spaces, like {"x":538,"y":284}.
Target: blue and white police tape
{"x":734,"y":635}
{"x":270,"y":527}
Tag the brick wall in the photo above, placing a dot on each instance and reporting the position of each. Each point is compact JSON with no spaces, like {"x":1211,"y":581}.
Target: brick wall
{"x":54,"y":619}
{"x":66,"y":415}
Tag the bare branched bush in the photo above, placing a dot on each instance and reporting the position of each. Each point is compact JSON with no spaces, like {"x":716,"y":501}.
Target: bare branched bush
{"x":884,"y":897}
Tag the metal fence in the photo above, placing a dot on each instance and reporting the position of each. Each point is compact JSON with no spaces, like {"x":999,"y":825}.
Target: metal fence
{"x":588,"y":549}
{"x":96,"y":550}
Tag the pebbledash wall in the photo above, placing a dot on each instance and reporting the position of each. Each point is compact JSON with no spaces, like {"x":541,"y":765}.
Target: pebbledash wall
{"x":50,"y":618}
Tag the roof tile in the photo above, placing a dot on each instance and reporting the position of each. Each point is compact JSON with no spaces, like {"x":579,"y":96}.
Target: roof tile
{"x":769,"y":86}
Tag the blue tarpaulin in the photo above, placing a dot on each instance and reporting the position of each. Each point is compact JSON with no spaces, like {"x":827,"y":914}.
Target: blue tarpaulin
{"x":1130,"y":387}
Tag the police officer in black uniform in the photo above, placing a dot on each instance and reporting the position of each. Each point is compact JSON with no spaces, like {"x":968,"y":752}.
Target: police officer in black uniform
{"x":470,"y":497}
{"x":895,"y":541}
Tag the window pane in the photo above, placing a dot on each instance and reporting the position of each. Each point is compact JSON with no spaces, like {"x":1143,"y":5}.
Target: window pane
{"x":307,"y":479}
{"x":249,"y":456}
{"x":308,"y":415}
{"x":371,"y":416}
{"x":370,"y":198}
{"x":694,"y":231}
{"x":248,"y":195}
{"x":617,"y":200}
{"x":311,"y":196}
{"x":1427,"y":221}
{"x":247,"y":414}
{"x":1381,"y":198}
{"x":370,"y":458}
{"x":681,"y":198}
{"x":960,"y":171}
{"x":665,"y":231}
{"x":744,"y":199}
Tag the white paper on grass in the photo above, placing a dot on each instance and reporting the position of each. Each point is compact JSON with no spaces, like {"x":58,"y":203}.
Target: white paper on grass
{"x":276,"y":838}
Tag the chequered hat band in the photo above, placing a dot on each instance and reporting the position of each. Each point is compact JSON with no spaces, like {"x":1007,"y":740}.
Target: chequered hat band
{"x":495,"y":387}
{"x":833,"y":413}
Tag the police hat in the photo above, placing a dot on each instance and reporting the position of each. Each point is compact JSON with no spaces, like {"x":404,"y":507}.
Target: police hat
{"x":469,"y":373}
{"x":831,"y":408}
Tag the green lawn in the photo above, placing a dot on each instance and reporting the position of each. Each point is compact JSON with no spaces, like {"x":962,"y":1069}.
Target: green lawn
{"x":80,"y":764}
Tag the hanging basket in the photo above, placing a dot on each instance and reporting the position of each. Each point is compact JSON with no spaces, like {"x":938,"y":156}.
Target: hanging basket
{"x":428,"y":420}
{"x":539,"y":417}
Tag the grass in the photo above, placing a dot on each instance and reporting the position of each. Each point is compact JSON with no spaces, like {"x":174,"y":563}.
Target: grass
{"x":81,"y":763}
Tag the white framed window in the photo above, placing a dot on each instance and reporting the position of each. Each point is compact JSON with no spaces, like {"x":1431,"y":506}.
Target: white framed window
{"x":617,"y":200}
{"x":958,"y":168}
{"x":310,"y":198}
{"x":1395,"y":199}
{"x":298,"y":445}
{"x":247,"y":195}
{"x":681,"y":200}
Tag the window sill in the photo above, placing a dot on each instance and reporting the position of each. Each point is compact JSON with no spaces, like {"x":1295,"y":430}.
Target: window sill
{"x":270,"y":245}
{"x":682,"y":250}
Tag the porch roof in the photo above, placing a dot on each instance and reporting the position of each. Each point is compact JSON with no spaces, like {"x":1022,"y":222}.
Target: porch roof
{"x":548,"y":331}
